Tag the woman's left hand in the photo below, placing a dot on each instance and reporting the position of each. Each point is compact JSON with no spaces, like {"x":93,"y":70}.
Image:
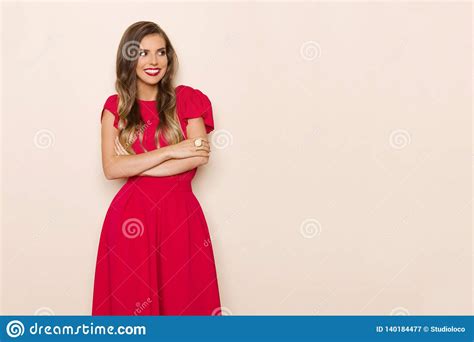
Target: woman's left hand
{"x":119,"y":149}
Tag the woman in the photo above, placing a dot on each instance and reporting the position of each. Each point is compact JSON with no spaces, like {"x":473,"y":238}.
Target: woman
{"x":155,"y":255}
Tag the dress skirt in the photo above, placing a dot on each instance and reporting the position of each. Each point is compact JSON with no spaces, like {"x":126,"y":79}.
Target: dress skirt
{"x":155,"y":254}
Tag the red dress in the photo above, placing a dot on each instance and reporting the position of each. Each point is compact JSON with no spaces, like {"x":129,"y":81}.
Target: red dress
{"x":155,"y":254}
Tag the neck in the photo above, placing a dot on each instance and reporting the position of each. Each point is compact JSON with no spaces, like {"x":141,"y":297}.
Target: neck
{"x":146,"y":92}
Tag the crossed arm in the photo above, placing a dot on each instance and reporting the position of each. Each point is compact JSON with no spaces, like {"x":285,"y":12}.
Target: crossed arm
{"x":156,"y":163}
{"x":175,"y":166}
{"x":194,"y":129}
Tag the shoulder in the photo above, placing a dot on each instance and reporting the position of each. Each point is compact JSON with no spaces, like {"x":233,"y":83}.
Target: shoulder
{"x":193,"y":103}
{"x":183,"y":89}
{"x":186,"y":93}
{"x":113,"y":97}
{"x":111,"y":103}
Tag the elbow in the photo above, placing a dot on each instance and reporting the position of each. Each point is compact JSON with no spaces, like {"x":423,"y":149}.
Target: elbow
{"x":110,"y":169}
{"x":203,"y":161}
{"x":109,"y":174}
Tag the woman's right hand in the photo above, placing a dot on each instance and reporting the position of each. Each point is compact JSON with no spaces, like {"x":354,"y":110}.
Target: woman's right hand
{"x":187,"y":149}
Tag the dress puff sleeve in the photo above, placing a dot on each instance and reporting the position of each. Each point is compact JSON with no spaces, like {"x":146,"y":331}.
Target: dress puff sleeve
{"x":192,"y":103}
{"x":111,"y":104}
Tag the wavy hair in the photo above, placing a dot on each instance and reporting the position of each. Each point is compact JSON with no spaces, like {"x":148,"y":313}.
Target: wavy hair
{"x":131,"y":125}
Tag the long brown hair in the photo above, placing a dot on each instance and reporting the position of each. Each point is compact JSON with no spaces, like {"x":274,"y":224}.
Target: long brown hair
{"x":131,"y":124}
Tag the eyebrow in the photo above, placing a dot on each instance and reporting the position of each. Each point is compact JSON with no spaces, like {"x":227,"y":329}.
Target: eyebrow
{"x":156,"y":49}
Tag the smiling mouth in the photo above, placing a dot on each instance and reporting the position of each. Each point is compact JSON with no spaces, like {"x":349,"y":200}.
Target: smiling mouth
{"x":152,"y":71}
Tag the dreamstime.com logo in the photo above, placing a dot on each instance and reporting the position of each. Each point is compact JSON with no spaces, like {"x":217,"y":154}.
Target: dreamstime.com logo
{"x":16,"y":328}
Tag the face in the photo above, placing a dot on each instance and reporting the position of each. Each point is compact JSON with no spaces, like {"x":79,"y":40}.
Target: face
{"x":152,"y":61}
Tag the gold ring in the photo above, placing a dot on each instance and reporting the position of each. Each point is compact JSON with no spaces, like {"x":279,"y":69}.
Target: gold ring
{"x":198,"y":142}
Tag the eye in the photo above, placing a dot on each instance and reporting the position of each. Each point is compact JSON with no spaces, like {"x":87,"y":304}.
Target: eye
{"x":162,"y":52}
{"x":142,"y":53}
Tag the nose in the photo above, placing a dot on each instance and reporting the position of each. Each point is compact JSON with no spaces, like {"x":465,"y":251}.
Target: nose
{"x":153,"y":59}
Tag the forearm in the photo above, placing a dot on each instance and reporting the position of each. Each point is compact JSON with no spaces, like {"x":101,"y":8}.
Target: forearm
{"x":173,"y":167}
{"x":122,"y":166}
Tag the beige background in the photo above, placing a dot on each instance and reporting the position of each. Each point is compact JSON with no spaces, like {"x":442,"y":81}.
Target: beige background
{"x":340,"y":179}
